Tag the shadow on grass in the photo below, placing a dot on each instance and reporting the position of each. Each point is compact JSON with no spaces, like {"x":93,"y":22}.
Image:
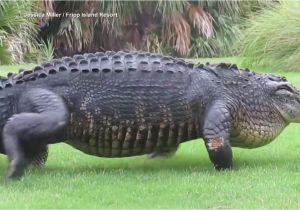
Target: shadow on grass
{"x":268,"y":162}
{"x":133,"y":165}
{"x":144,"y":165}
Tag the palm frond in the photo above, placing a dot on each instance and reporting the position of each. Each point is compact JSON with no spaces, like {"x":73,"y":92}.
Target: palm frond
{"x":201,"y":20}
{"x":47,"y":49}
{"x":126,"y":11}
{"x":178,"y":33}
{"x":167,"y":8}
{"x":9,"y":16}
{"x":70,"y":29}
{"x":47,"y":5}
{"x":174,"y":23}
{"x":17,"y":32}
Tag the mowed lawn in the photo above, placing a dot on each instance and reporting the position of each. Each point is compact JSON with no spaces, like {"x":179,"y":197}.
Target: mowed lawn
{"x":266,"y":177}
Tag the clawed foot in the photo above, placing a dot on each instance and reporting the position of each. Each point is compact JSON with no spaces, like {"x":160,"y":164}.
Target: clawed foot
{"x":17,"y":169}
{"x":222,"y":168}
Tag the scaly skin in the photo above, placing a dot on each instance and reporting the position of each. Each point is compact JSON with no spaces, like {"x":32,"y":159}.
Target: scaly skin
{"x":125,"y":104}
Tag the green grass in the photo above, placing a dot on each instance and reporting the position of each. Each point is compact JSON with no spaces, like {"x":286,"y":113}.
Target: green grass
{"x":266,"y":177}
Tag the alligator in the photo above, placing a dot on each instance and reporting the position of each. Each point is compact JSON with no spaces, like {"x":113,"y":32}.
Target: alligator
{"x":120,"y":104}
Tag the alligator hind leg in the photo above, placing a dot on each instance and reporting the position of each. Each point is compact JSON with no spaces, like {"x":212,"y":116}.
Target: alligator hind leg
{"x":39,"y":157}
{"x":164,"y":152}
{"x":216,"y":132}
{"x":41,"y":120}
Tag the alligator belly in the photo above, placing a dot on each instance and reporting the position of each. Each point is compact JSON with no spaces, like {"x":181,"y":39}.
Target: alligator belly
{"x":249,"y":143}
{"x":124,"y":140}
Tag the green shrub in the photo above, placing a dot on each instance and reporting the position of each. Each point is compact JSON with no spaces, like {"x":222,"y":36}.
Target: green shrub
{"x":17,"y":32}
{"x":273,"y":38}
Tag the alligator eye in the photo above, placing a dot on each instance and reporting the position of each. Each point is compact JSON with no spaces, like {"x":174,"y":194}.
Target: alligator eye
{"x":286,"y":87}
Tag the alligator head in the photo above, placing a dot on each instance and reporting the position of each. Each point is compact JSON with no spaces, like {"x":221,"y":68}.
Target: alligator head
{"x":285,"y":96}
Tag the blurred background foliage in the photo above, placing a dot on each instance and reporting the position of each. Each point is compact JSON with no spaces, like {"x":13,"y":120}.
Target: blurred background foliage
{"x":272,"y":38}
{"x":181,"y":28}
{"x":17,"y":33}
{"x":261,"y":32}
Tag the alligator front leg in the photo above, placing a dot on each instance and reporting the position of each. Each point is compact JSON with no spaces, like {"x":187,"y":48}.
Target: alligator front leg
{"x":41,"y":120}
{"x":216,"y":132}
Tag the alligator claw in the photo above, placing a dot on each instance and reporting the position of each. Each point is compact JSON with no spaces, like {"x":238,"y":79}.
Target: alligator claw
{"x":223,"y":168}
